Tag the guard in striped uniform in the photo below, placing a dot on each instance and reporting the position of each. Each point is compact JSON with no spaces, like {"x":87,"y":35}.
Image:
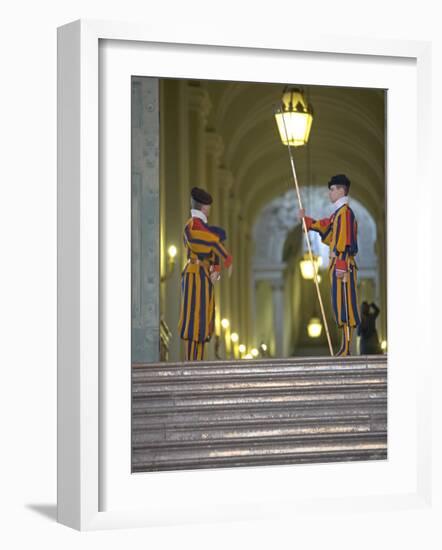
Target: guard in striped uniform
{"x":205,"y":255}
{"x":339,"y":232}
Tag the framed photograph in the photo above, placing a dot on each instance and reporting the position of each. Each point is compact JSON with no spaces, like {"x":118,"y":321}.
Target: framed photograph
{"x":204,"y":375}
{"x":240,"y":355}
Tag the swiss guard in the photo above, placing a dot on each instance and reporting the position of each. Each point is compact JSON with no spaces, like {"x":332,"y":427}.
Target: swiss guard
{"x":205,"y":254}
{"x":339,"y":232}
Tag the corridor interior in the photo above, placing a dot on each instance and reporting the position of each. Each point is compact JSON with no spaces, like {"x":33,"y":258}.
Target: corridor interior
{"x":222,"y":136}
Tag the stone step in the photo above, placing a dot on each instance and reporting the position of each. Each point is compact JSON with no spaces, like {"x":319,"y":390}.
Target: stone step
{"x":281,"y":399}
{"x":258,"y":430}
{"x":345,"y":455}
{"x":222,"y":369}
{"x":143,"y":388}
{"x":309,"y":449}
{"x":236,"y":417}
{"x":219,"y":414}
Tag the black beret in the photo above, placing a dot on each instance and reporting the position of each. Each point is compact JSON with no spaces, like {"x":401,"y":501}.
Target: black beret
{"x":201,"y":196}
{"x":339,"y":179}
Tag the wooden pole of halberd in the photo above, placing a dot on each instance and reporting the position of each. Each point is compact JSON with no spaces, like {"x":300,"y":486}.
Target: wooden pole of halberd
{"x":304,"y":225}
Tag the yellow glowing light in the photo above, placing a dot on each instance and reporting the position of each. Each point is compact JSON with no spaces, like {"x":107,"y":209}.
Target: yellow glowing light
{"x":225,"y":323}
{"x":384,"y":345}
{"x":264,"y":347}
{"x":248,"y":356}
{"x":242,"y":348}
{"x":294,"y":118}
{"x":172,"y":251}
{"x":234,"y":337}
{"x":308,"y":267}
{"x":314,"y":327}
{"x":254,"y":352}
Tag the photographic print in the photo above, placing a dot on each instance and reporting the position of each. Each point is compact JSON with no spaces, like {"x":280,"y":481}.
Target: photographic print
{"x":259,"y":303}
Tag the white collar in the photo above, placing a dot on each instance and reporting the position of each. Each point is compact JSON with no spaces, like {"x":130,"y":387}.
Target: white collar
{"x":198,"y":214}
{"x":340,"y":202}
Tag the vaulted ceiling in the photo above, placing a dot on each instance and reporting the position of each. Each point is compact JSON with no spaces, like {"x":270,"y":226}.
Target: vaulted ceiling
{"x":347,"y":136}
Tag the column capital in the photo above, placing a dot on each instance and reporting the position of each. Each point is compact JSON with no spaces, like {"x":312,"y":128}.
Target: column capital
{"x":236,"y":207}
{"x":214,"y":145}
{"x":225,"y":179}
{"x":272,"y":273}
{"x":199,"y":100}
{"x":277,"y":284}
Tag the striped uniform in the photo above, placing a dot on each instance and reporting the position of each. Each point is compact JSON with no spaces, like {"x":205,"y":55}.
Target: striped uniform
{"x":205,"y":253}
{"x":339,"y":232}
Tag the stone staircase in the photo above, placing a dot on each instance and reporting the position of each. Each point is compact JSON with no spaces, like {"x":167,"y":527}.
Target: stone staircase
{"x":253,"y":413}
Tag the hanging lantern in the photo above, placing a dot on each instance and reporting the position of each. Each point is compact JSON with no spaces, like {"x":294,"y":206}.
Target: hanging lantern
{"x":294,"y":117}
{"x":308,"y":267}
{"x":314,"y":328}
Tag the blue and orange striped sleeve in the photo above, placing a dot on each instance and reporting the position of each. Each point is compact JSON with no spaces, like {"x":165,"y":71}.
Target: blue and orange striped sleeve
{"x":323,"y":227}
{"x":221,"y":251}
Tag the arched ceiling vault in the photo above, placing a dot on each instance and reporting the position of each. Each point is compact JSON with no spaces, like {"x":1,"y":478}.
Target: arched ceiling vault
{"x":347,"y":136}
{"x":268,"y":175}
{"x":339,"y":138}
{"x":252,"y":125}
{"x":273,"y":184}
{"x":327,"y":159}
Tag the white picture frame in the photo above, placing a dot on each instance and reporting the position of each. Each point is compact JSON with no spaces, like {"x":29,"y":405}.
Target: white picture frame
{"x":82,"y":468}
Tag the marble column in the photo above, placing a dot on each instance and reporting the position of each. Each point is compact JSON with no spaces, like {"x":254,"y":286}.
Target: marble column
{"x":145,"y":220}
{"x":199,"y":108}
{"x":175,"y":153}
{"x":278,"y":315}
{"x":225,"y":182}
{"x":235,"y":279}
{"x":186,"y":145}
{"x":250,"y":291}
{"x":241,"y":279}
{"x":246,"y":282}
{"x":381,"y":291}
{"x":214,"y":149}
{"x":163,"y":191}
